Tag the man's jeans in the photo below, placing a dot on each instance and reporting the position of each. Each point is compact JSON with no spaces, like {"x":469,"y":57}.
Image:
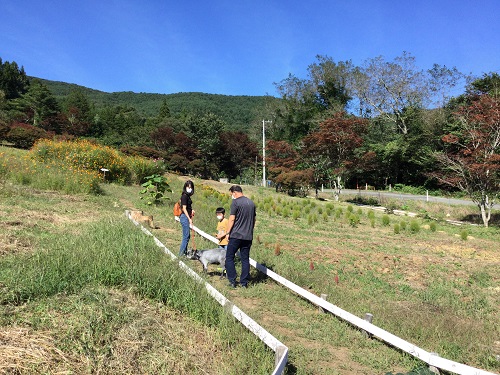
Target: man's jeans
{"x":244,"y":247}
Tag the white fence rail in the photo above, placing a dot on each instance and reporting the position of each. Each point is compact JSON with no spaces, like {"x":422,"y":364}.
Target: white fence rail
{"x":430,"y":358}
{"x":280,"y":350}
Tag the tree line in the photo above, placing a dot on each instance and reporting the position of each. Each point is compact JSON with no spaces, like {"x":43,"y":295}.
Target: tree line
{"x":388,"y":122}
{"x":381,"y":123}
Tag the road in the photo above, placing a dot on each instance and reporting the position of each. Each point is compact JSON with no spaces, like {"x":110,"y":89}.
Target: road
{"x":401,"y":196}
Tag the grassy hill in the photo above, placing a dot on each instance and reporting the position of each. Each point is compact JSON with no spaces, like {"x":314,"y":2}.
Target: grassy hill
{"x":237,"y":111}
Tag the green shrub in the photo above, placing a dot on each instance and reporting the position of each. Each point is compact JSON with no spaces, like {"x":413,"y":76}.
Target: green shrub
{"x":402,"y":224}
{"x":432,"y":226}
{"x":414,"y":226}
{"x":154,"y":189}
{"x":464,"y":234}
{"x":391,"y":206}
{"x":371,"y":215}
{"x":350,"y":208}
{"x":368,"y":201}
{"x":372,"y":222}
{"x":286,"y":212}
{"x":386,"y":220}
{"x":396,"y":228}
{"x":354,"y":220}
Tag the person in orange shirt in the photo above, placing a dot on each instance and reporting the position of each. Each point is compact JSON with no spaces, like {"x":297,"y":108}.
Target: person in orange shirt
{"x":221,"y":234}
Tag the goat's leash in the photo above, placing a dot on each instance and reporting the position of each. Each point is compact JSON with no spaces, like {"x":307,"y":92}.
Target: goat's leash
{"x":192,"y":235}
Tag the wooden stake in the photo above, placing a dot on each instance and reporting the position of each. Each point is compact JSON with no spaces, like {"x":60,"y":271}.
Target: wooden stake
{"x":322,"y":310}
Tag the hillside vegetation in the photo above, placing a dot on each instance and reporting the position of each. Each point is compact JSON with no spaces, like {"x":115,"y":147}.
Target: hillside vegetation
{"x":238,"y":112}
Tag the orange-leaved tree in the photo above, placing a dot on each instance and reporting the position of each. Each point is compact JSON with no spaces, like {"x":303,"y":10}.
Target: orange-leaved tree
{"x":331,"y":150}
{"x":471,"y":158}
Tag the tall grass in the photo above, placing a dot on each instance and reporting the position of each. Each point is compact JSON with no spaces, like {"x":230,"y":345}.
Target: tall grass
{"x":108,"y":253}
{"x":74,"y":166}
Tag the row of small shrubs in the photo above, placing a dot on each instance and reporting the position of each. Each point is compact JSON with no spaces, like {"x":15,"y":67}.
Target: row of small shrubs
{"x":314,"y":213}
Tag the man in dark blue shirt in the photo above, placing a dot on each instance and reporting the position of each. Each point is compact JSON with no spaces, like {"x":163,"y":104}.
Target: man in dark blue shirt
{"x":240,"y":233}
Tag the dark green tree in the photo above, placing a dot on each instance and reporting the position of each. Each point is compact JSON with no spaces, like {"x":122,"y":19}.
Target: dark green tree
{"x":13,"y":80}
{"x":205,"y":131}
{"x":79,"y":113}
{"x":39,"y":106}
{"x":164,"y":111}
{"x":489,"y":84}
{"x":330,"y":82}
{"x":119,"y":126}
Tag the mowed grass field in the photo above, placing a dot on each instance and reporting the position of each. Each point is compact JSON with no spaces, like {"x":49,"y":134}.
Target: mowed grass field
{"x":85,"y":291}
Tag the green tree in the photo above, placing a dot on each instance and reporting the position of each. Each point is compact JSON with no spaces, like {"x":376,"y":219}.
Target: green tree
{"x":13,"y":80}
{"x":489,"y":84}
{"x":121,"y":125}
{"x":330,"y":82}
{"x":79,"y":113}
{"x":205,"y":131}
{"x":306,"y":102}
{"x":164,"y":111}
{"x":389,"y":88}
{"x":294,"y":114}
{"x":39,"y":105}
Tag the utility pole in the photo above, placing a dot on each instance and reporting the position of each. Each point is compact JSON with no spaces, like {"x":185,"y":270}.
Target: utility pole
{"x":264,"y":151}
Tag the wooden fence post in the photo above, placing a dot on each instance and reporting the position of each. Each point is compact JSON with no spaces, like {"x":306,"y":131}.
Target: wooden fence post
{"x":434,"y":369}
{"x":322,"y":310}
{"x":368,"y":318}
{"x":280,"y":350}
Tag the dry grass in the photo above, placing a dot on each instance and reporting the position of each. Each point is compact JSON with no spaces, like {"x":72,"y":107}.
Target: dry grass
{"x":154,"y":339}
{"x":25,"y":351}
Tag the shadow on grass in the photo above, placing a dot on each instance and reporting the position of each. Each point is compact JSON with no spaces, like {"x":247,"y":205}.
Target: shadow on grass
{"x":476,"y":219}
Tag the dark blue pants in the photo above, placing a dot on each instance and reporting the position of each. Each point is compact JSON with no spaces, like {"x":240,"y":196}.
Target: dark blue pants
{"x":244,"y":246}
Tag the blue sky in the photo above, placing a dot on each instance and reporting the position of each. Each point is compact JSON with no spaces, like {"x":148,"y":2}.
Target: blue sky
{"x":237,"y":47}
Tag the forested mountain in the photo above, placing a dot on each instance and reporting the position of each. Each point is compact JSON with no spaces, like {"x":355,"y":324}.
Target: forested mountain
{"x":236,"y":111}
